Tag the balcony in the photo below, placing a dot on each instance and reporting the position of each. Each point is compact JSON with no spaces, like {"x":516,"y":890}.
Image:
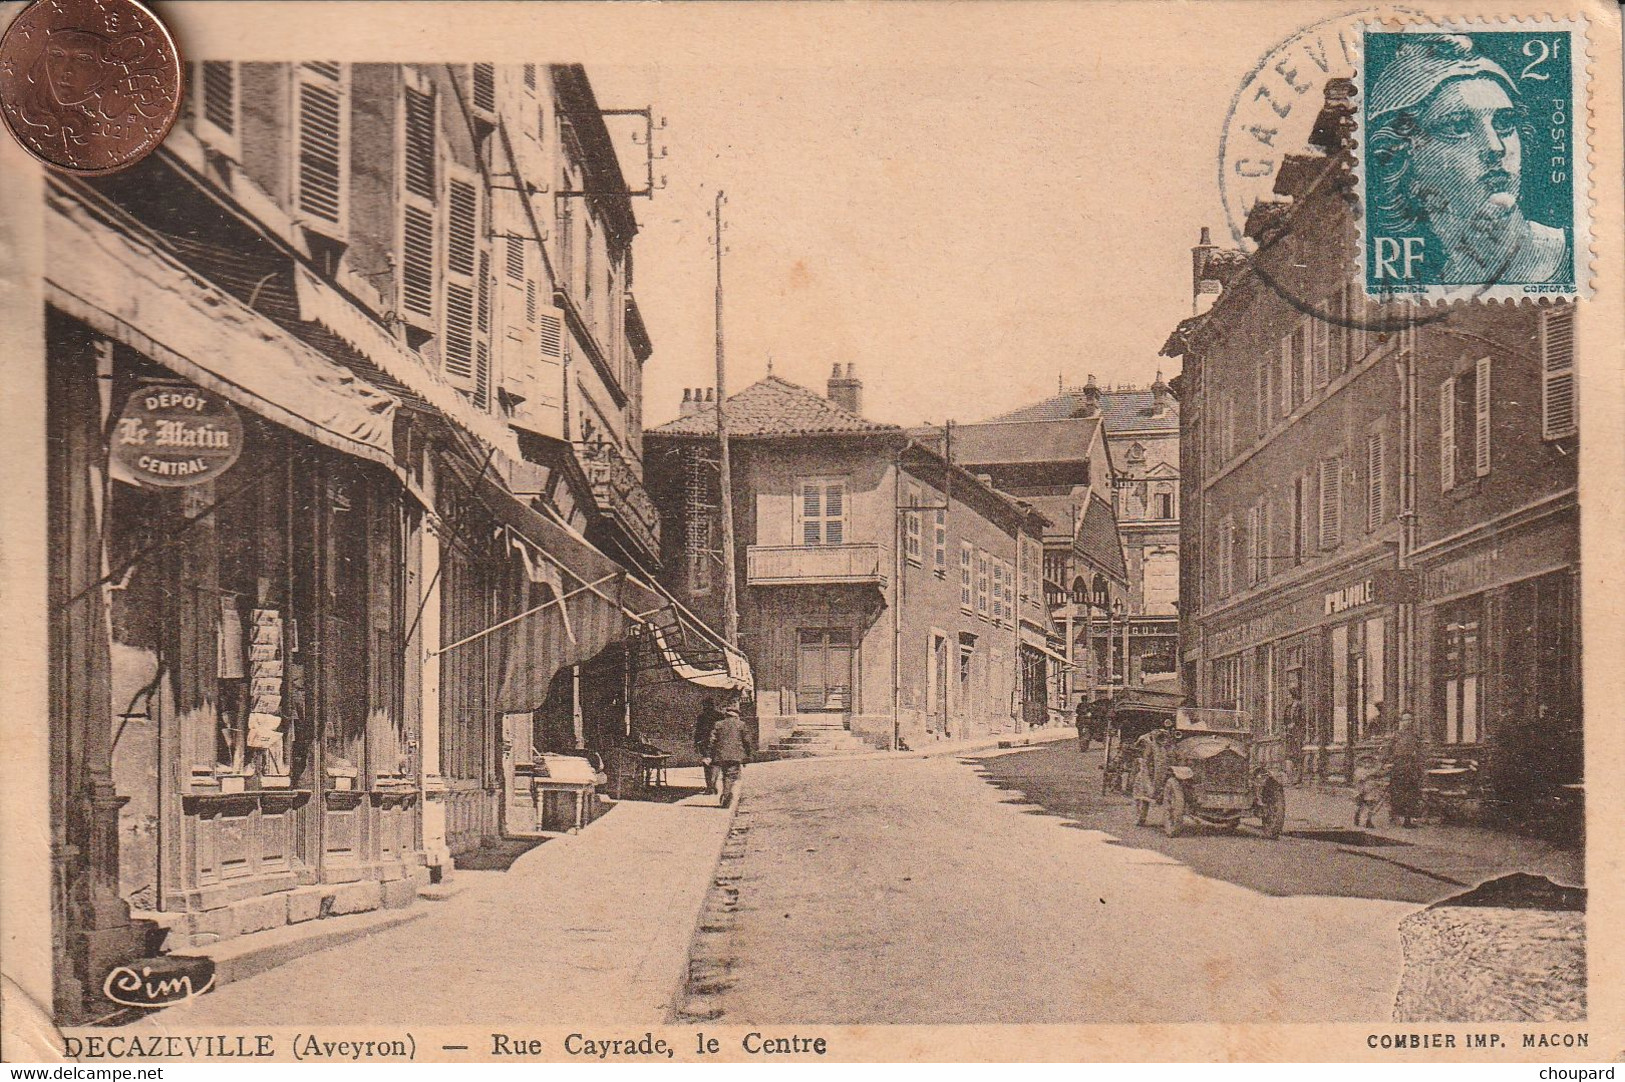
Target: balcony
{"x":814,"y":565}
{"x":619,"y":493}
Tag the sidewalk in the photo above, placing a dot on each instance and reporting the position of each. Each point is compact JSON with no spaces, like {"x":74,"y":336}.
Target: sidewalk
{"x":1456,"y":854}
{"x":1028,"y":738}
{"x":589,"y":927}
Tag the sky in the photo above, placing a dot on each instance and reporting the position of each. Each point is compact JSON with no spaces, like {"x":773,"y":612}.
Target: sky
{"x":965,"y":232}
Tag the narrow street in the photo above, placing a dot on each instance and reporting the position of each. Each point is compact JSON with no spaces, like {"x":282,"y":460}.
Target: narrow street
{"x":1004,"y":887}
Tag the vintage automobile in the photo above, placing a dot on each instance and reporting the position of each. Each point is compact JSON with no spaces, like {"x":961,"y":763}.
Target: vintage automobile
{"x":1202,"y":765}
{"x":1133,"y":713}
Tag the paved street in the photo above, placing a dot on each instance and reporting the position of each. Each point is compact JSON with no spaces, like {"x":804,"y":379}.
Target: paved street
{"x":1005,"y":887}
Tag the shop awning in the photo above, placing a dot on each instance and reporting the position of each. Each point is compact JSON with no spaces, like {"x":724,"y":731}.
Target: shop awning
{"x":137,"y":295}
{"x":325,"y":306}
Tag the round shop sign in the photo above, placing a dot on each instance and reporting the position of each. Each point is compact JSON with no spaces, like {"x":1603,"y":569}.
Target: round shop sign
{"x":170,"y":436}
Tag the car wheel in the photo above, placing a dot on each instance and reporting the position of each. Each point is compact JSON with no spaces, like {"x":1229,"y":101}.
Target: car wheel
{"x":1274,"y":811}
{"x":1173,"y":804}
{"x":1142,"y":810}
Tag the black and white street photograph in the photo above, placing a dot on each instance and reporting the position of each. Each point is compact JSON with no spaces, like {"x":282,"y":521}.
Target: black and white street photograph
{"x":557,"y":532}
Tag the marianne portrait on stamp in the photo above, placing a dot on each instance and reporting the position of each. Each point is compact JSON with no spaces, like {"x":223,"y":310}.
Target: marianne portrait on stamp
{"x":1447,"y":128}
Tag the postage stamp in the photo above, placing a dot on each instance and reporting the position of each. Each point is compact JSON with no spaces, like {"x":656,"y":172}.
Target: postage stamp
{"x":1473,"y":160}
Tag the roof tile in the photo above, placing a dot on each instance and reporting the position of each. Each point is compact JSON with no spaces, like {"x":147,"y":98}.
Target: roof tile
{"x":775,"y":407}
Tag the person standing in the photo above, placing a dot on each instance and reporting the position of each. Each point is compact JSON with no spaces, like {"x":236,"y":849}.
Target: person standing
{"x":1405,"y":772}
{"x":730,"y":749}
{"x":1293,"y":722}
{"x":703,"y":725}
{"x":1086,"y":725}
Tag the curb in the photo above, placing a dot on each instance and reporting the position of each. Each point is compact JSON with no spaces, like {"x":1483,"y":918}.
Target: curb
{"x":997,"y":742}
{"x":678,"y":996}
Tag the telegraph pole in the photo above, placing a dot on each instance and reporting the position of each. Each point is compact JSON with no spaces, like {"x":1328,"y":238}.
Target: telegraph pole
{"x":730,"y":600}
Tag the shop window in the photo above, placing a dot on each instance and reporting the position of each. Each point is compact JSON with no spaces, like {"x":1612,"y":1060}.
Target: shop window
{"x":1227,"y":682}
{"x":1459,"y":673}
{"x":824,"y":669}
{"x":821,"y":511}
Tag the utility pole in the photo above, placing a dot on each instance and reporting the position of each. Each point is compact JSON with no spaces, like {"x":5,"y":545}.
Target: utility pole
{"x":730,"y":600}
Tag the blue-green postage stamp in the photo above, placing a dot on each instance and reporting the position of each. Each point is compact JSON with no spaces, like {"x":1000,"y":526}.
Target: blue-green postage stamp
{"x":1473,"y":160}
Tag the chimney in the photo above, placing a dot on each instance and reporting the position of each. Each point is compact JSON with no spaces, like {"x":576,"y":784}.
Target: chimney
{"x":1091,"y":397}
{"x":696,"y":401}
{"x":846,"y":391}
{"x":1204,"y":287}
{"x":1159,"y":397}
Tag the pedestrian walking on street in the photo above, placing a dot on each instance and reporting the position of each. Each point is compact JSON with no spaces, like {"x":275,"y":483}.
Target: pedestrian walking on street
{"x":1405,"y":772}
{"x":1086,"y":725}
{"x":703,"y":725}
{"x":730,"y":750}
{"x":1294,"y":724}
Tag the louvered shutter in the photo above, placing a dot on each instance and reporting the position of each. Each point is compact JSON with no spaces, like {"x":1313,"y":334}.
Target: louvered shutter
{"x":1558,"y":416}
{"x":1266,"y":544}
{"x":1481,"y":418}
{"x":812,"y":514}
{"x":482,"y":373}
{"x":1331,"y":502}
{"x":1447,"y":434}
{"x":1320,"y":333}
{"x":835,"y":513}
{"x":321,"y":167}
{"x":530,"y":76}
{"x":462,"y":227}
{"x":483,"y":284}
{"x":485,"y":87}
{"x":1253,"y":535}
{"x":420,"y":144}
{"x":1375,"y":493}
{"x":417,"y":263}
{"x":1288,"y":360}
{"x":459,"y":358}
{"x":218,"y":93}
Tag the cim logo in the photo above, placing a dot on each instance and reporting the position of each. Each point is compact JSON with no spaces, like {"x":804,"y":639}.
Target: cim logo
{"x":131,"y":987}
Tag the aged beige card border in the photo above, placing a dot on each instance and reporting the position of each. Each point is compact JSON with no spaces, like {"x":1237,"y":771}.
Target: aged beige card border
{"x":949,"y":34}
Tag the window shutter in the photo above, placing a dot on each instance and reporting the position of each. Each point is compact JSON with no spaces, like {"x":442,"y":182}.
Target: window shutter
{"x":482,"y":373}
{"x":460,"y":335}
{"x":1558,"y":417}
{"x":1481,"y":418}
{"x":530,"y":76}
{"x":1354,"y":340}
{"x":1287,"y":361}
{"x":462,"y":227}
{"x":417,"y":263}
{"x":219,"y":94}
{"x":420,"y":145}
{"x":321,"y":131}
{"x":1375,"y":494}
{"x":1447,"y":434}
{"x":483,"y":321}
{"x":485,"y":87}
{"x":1252,"y":544}
{"x":1321,"y":334}
{"x":1331,"y":502}
{"x":1266,"y":544}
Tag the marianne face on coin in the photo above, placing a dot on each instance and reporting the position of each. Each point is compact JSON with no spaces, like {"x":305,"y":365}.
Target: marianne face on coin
{"x":90,"y":86}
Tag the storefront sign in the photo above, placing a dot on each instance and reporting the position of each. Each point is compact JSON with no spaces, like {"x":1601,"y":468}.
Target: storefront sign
{"x":172,"y":435}
{"x":1350,"y":597}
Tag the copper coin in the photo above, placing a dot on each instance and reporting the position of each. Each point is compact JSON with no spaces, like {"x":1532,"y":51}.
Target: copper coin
{"x":89,"y":86}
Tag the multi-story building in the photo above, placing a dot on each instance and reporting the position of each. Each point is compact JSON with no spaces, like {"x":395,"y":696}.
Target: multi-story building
{"x":881,"y":592}
{"x":1141,"y":429}
{"x":298,"y":672}
{"x":1380,"y":509}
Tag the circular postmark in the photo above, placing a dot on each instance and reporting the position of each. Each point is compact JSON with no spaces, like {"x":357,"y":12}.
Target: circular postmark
{"x":89,"y":86}
{"x":1284,"y":113}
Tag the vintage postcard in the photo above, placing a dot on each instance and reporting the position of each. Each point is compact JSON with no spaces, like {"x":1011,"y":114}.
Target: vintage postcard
{"x":772,"y":533}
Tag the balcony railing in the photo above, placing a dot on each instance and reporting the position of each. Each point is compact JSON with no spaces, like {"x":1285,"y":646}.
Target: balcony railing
{"x":798,"y":565}
{"x":619,"y":493}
